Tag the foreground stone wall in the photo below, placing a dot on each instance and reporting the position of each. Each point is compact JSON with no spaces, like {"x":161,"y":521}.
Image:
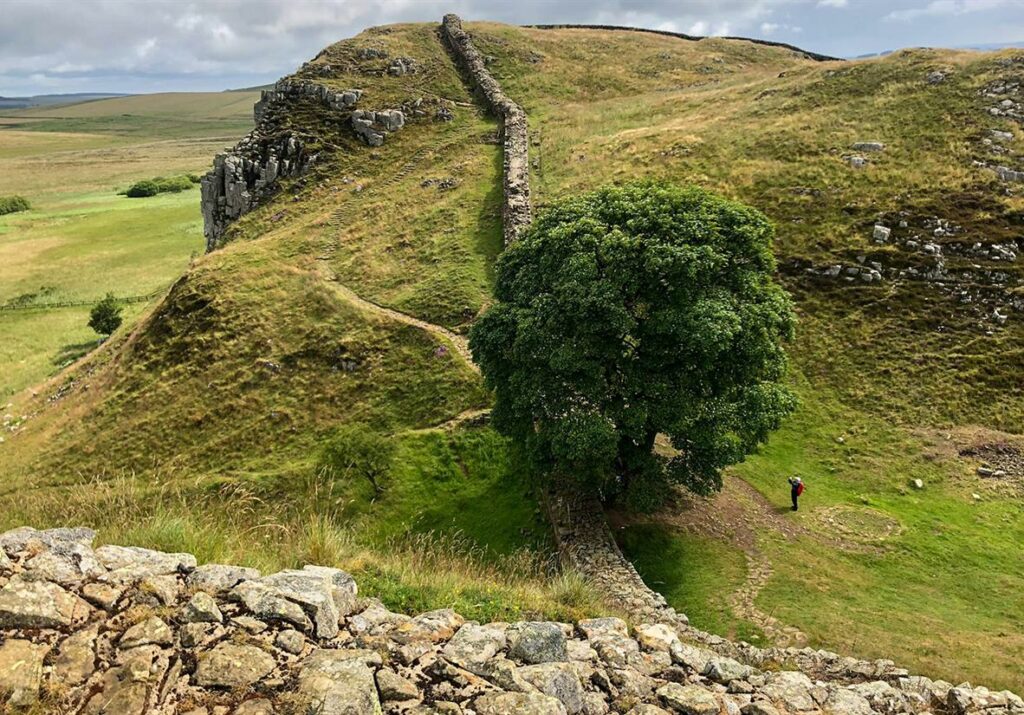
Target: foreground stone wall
{"x":516,"y":208}
{"x":124,"y":631}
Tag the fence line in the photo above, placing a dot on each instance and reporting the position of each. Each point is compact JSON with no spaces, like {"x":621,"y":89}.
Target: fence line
{"x":81,"y":303}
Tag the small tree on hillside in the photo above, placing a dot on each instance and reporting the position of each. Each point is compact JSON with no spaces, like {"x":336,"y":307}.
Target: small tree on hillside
{"x":105,"y":316}
{"x":358,"y":450}
{"x":631,"y":312}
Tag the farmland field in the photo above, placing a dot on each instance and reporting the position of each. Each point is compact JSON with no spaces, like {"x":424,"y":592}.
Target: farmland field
{"x":81,"y":239}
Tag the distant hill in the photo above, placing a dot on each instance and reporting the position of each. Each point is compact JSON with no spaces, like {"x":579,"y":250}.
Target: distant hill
{"x":983,"y":47}
{"x":47,"y":100}
{"x":158,"y":115}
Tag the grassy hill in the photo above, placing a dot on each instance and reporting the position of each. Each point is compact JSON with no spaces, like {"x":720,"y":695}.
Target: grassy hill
{"x":200,"y":428}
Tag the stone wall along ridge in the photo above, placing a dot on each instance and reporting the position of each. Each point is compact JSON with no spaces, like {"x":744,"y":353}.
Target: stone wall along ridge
{"x":516,"y":211}
{"x":120,"y":630}
{"x":817,"y":57}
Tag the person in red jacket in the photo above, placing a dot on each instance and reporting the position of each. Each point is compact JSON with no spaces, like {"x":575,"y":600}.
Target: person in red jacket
{"x":796,"y":488}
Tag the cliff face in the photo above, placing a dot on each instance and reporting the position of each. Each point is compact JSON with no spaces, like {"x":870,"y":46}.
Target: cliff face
{"x":247,"y":176}
{"x":128,"y":630}
{"x":240,"y":179}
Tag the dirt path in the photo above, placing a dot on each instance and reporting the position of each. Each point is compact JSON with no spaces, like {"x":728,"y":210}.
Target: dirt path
{"x":458,"y":342}
{"x":737,"y":515}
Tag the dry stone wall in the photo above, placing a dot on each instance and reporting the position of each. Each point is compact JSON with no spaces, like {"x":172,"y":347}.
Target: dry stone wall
{"x":516,"y":208}
{"x":118,"y":630}
{"x":817,"y":57}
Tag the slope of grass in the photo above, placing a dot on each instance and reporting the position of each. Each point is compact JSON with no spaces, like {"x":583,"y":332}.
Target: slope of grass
{"x":695,"y":574}
{"x":229,"y":385}
{"x":940,"y":592}
{"x":877,"y":360}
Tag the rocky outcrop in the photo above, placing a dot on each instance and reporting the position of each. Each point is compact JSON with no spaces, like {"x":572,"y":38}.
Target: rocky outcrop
{"x":294,"y":89}
{"x":516,"y":210}
{"x":133,"y":631}
{"x":242,"y":178}
{"x":245,"y":177}
{"x":372,"y":127}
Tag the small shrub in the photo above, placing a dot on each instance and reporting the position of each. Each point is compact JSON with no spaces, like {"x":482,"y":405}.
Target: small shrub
{"x":105,"y":316}
{"x":161,"y":185}
{"x":172,"y":184}
{"x":141,"y":189}
{"x":359,"y":450}
{"x":13,"y":204}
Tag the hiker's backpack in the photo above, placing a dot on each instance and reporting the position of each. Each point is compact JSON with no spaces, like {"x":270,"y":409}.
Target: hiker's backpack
{"x":799,"y":488}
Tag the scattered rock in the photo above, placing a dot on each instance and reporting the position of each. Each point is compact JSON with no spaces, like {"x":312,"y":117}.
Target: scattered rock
{"x":259,"y":706}
{"x":559,"y":680}
{"x":216,"y":578}
{"x":201,"y":608}
{"x":75,"y":660}
{"x":393,"y":687}
{"x":332,"y":685}
{"x":152,"y":631}
{"x":39,"y":604}
{"x":689,"y":699}
{"x":868,"y":146}
{"x":290,"y":641}
{"x":519,"y":703}
{"x":230,"y":665}
{"x":474,"y":645}
{"x":538,"y":643}
{"x":21,"y":672}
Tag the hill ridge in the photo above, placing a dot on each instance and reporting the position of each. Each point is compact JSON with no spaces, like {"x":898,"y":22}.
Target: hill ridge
{"x":817,"y":57}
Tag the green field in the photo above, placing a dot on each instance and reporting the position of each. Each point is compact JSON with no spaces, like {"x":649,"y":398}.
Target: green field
{"x":200,"y":429}
{"x":81,"y":239}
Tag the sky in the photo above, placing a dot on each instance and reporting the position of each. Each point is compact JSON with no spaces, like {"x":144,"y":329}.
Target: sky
{"x":60,"y":46}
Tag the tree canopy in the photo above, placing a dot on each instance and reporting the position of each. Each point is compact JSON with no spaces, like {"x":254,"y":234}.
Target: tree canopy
{"x":105,"y":316}
{"x":631,"y":312}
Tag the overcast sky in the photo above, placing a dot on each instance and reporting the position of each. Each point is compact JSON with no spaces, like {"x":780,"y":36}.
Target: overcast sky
{"x":56,"y":46}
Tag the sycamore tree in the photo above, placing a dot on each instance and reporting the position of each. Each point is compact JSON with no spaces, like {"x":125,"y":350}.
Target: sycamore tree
{"x":632,"y":312}
{"x":105,"y":316}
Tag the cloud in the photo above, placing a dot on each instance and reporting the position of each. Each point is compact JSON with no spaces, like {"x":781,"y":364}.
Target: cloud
{"x":156,"y":45}
{"x":213,"y":43}
{"x":939,"y":8}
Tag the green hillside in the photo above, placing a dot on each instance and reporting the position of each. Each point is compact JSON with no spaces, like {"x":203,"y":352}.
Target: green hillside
{"x":201,"y":426}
